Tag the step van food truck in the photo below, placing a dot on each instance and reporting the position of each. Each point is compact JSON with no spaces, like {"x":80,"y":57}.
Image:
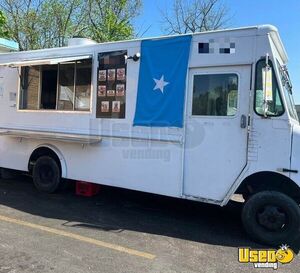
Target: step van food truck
{"x":200,"y":117}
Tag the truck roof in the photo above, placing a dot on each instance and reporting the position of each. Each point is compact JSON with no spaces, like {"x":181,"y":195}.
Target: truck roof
{"x":63,"y":51}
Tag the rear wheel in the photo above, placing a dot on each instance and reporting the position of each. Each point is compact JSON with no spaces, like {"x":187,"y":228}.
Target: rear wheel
{"x":46,"y":174}
{"x":272,"y":218}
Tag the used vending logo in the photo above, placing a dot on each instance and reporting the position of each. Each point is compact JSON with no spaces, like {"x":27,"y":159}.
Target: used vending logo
{"x":266,"y":258}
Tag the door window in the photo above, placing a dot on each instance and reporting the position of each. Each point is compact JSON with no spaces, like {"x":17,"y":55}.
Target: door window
{"x":215,"y":95}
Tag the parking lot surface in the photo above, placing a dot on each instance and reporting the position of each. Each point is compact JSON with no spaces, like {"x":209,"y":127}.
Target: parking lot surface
{"x":118,"y":231}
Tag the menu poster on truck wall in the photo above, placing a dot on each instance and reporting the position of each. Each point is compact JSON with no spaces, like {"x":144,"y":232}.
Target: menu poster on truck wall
{"x":120,"y":90}
{"x":111,"y":89}
{"x":102,"y":75}
{"x":101,"y":90}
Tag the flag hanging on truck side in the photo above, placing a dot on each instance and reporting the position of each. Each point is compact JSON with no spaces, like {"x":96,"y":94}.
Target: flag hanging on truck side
{"x":162,"y":82}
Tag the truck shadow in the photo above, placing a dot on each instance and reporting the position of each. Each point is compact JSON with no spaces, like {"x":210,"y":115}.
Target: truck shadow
{"x":115,"y":210}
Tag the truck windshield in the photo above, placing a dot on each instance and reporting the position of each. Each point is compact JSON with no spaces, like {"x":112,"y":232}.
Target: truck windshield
{"x":287,"y":89}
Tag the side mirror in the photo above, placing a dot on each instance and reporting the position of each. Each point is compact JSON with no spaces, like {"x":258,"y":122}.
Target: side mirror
{"x":267,"y":76}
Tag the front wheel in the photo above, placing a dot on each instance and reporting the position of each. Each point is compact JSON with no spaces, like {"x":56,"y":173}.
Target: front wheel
{"x":272,"y":218}
{"x":46,"y":174}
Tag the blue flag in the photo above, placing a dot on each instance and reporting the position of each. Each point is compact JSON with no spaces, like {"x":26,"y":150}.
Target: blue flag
{"x":162,"y":82}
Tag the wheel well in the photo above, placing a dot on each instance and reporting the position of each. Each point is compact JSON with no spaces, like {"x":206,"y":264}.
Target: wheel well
{"x":269,"y":181}
{"x":42,"y":151}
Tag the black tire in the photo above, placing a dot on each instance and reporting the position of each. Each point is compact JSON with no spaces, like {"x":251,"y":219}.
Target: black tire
{"x":271,"y":218}
{"x":246,"y":196}
{"x":46,"y":174}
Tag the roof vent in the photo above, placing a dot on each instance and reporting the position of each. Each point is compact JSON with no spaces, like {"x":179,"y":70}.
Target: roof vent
{"x":76,"y":41}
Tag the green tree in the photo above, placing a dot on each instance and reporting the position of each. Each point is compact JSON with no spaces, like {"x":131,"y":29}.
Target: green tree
{"x":68,"y":19}
{"x":3,"y":30}
{"x":38,"y":24}
{"x":111,"y":20}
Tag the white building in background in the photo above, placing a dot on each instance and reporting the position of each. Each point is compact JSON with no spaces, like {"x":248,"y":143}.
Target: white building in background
{"x":8,"y":46}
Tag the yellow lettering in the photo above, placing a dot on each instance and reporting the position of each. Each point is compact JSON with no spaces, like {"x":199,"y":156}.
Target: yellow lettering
{"x":247,"y":255}
{"x":262,"y":256}
{"x":272,"y":256}
{"x":253,"y":256}
{"x":244,"y":255}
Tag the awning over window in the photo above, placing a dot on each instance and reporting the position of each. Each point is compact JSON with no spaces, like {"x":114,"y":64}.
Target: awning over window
{"x":49,"y":61}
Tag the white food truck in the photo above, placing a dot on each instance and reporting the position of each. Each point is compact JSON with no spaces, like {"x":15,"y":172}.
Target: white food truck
{"x":94,"y":112}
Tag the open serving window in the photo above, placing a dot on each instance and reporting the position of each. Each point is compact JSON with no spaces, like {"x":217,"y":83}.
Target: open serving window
{"x":111,"y":95}
{"x":55,"y":84}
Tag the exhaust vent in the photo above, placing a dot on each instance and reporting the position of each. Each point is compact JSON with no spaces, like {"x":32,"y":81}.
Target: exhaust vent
{"x":80,"y":42}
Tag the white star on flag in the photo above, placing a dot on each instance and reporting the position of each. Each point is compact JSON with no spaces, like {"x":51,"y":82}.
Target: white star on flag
{"x":160,"y":84}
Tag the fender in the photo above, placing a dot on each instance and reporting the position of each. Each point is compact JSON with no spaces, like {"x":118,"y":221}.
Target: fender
{"x":59,"y":155}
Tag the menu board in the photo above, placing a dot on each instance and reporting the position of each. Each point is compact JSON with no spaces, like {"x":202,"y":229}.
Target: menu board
{"x":111,"y":88}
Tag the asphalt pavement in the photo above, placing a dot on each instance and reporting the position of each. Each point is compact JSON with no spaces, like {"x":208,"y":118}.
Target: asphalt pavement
{"x":118,"y":231}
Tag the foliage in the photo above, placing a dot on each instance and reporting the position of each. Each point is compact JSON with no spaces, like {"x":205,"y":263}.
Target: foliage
{"x":189,"y":16}
{"x":38,"y":24}
{"x":60,"y":20}
{"x":3,"y":30}
{"x":111,"y":20}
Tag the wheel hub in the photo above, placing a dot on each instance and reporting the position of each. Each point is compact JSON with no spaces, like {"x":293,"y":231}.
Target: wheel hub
{"x":272,"y":218}
{"x":46,"y":174}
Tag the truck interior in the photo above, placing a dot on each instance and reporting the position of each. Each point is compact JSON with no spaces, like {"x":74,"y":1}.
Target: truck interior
{"x":48,"y":87}
{"x":63,"y":86}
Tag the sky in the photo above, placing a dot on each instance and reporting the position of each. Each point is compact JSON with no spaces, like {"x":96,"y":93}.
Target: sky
{"x":285,"y":15}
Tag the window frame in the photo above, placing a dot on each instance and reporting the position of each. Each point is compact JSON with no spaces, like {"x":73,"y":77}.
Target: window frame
{"x":279,"y":89}
{"x":288,"y":97}
{"x":18,"y":100}
{"x":91,"y":90}
{"x":214,"y":73}
{"x":19,"y":92}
